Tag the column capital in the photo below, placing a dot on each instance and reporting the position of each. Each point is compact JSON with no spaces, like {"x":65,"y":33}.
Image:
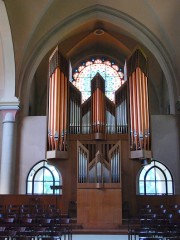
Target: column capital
{"x":9,"y":105}
{"x":9,"y":111}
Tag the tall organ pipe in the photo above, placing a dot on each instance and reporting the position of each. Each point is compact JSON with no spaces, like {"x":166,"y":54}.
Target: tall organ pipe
{"x":57,"y":113}
{"x":138,"y":99}
{"x":98,"y":103}
{"x":121,"y":109}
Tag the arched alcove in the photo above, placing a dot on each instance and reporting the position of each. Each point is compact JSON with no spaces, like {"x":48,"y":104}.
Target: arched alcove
{"x":121,"y":22}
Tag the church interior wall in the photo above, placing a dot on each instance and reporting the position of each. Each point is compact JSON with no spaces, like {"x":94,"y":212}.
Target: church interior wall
{"x":165,"y":144}
{"x":31,"y":146}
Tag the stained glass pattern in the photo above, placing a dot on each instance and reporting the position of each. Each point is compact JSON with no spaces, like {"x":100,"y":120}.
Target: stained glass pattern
{"x":111,"y":73}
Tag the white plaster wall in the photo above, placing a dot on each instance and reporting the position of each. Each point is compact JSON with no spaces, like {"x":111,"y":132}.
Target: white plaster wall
{"x":166,"y":144}
{"x":32,"y":146}
{"x":1,"y":119}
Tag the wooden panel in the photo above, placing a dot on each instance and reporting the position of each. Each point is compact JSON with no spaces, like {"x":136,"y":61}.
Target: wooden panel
{"x":31,"y":199}
{"x":99,"y":208}
{"x":155,"y":201}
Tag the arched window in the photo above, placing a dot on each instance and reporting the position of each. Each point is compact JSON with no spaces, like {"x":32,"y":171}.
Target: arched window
{"x":155,"y":179}
{"x":111,"y":73}
{"x":44,"y":179}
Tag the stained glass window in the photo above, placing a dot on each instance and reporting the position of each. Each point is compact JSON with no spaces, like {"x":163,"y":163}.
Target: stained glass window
{"x":155,"y":179}
{"x":111,"y":73}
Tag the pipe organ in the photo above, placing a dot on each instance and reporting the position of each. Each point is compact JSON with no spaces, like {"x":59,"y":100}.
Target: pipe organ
{"x":58,"y":89}
{"x":97,"y":128}
{"x":99,"y":194}
{"x":98,"y":115}
{"x":99,"y":169}
{"x":138,"y":106}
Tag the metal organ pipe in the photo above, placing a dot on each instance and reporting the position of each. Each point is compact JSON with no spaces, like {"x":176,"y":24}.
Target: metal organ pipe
{"x":146,"y":113}
{"x":131,"y":113}
{"x":125,"y":110}
{"x":75,"y":111}
{"x":93,"y":112}
{"x":98,"y":116}
{"x":82,"y":158}
{"x":138,"y":97}
{"x":55,"y":110}
{"x":61,"y":111}
{"x":52,"y":114}
{"x":57,"y":119}
{"x":65,"y":110}
{"x":121,"y":109}
{"x":76,"y":117}
{"x":98,"y":103}
{"x":139,"y":132}
{"x":73,"y":115}
{"x":58,"y":107}
{"x":135,"y":110}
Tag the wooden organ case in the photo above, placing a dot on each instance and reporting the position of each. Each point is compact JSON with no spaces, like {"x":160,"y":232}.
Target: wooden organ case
{"x":94,"y":139}
{"x":99,"y":195}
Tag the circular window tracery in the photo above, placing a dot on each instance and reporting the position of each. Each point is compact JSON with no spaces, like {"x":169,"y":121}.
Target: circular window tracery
{"x":112,"y":74}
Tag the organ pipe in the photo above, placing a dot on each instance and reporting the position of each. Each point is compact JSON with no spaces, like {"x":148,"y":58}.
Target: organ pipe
{"x":57,"y":114}
{"x":114,"y":157}
{"x":86,"y":120}
{"x":98,"y":104}
{"x":74,"y":110}
{"x":83,"y":158}
{"x":138,"y":101}
{"x":110,"y":116}
{"x":93,"y":168}
{"x":121,"y":109}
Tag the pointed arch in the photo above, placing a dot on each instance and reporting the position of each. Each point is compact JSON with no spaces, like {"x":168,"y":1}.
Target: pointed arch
{"x":44,"y":179}
{"x":155,"y":179}
{"x":122,"y":21}
{"x":7,"y":69}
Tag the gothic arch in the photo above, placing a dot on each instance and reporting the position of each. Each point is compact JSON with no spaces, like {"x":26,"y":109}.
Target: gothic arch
{"x":122,"y":21}
{"x":7,"y":70}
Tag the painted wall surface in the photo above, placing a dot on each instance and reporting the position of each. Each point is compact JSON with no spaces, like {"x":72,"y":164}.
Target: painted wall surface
{"x":32,"y":146}
{"x":165,"y":144}
{"x":1,"y":127}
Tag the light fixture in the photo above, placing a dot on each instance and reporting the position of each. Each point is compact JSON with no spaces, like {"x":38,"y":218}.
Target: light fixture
{"x":99,"y":31}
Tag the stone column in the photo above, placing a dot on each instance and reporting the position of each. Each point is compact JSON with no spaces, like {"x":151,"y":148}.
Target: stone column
{"x":8,"y":156}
